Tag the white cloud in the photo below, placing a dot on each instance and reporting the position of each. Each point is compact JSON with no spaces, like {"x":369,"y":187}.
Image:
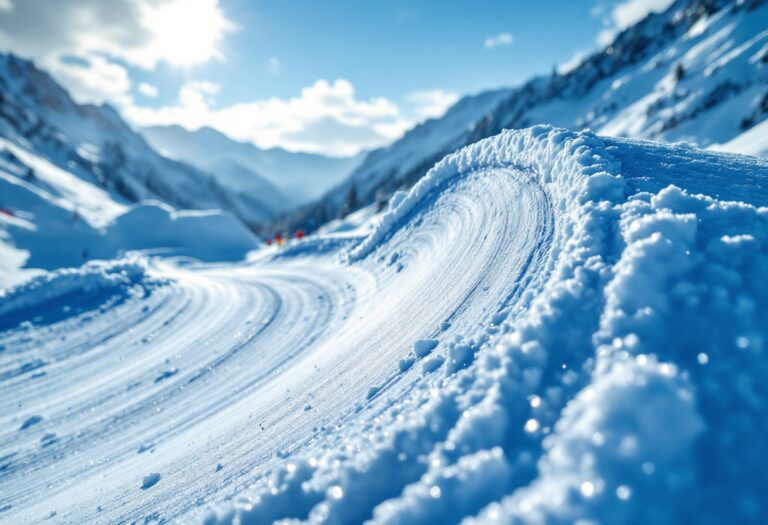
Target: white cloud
{"x":623,"y":15}
{"x":502,"y":39}
{"x":198,"y":95}
{"x":148,"y":90}
{"x":327,"y":117}
{"x":140,"y":33}
{"x":275,"y":66}
{"x":630,"y":11}
{"x":431,"y":103}
{"x":6,"y":5}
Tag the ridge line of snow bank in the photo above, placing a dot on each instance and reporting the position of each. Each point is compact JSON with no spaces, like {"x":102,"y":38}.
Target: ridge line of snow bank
{"x":91,"y":277}
{"x":573,"y":167}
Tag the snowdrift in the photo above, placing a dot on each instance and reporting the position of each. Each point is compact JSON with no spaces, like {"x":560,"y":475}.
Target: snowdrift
{"x":550,"y":327}
{"x":622,"y":388}
{"x":54,"y":296}
{"x":55,"y":239}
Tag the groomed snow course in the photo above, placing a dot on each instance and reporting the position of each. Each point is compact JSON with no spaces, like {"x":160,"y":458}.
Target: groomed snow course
{"x":622,"y":381}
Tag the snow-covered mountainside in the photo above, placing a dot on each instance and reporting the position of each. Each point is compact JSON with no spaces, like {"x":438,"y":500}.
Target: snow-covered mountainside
{"x":95,"y":145}
{"x":301,"y":177}
{"x":50,"y":218}
{"x":696,"y":73}
{"x":240,"y":179}
{"x":550,"y":327}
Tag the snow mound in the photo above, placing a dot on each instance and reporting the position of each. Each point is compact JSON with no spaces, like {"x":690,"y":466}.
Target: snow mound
{"x":206,"y":235}
{"x":573,"y":168}
{"x":56,"y":220}
{"x":70,"y":289}
{"x":620,"y":381}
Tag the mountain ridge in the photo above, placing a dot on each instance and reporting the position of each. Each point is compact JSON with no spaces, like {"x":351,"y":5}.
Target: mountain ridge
{"x":629,"y":88}
{"x":97,"y":145}
{"x":300,"y":176}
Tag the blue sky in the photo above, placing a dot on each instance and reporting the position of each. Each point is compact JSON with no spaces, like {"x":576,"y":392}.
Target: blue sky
{"x":391,"y":48}
{"x":313,"y":75}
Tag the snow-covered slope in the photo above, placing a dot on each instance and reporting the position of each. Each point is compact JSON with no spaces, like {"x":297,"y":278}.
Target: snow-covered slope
{"x":245,"y":182}
{"x":301,"y":177}
{"x":752,"y":142}
{"x":50,"y":218}
{"x":696,"y":73}
{"x":551,"y":327}
{"x":94,"y":144}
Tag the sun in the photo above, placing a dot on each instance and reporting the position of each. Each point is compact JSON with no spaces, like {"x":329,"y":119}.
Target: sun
{"x":186,"y":32}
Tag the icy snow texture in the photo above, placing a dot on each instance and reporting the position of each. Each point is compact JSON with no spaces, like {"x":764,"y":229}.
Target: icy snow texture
{"x":600,"y":311}
{"x":93,"y":277}
{"x":592,"y":403}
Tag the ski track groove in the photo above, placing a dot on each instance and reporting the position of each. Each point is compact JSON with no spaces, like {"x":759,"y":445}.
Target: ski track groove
{"x":253,"y":347}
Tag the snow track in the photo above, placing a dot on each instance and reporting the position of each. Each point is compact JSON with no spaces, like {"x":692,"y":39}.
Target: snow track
{"x":162,"y":370}
{"x":443,"y":367}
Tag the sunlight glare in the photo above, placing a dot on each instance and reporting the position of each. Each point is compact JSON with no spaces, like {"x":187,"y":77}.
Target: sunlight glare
{"x":187,"y":32}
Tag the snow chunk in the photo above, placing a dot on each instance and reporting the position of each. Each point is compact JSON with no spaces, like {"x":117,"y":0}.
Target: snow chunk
{"x":424,"y":347}
{"x":150,"y":480}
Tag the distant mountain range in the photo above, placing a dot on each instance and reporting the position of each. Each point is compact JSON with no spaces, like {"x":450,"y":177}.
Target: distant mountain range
{"x":299,"y":177}
{"x":697,"y":73}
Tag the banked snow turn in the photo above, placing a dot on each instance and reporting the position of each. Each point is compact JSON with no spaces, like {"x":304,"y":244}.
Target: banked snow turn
{"x":551,"y":326}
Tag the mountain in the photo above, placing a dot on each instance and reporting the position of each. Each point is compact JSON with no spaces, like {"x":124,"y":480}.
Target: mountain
{"x":71,"y":177}
{"x":301,"y":177}
{"x":233,"y":175}
{"x":97,"y":146}
{"x":696,"y":73}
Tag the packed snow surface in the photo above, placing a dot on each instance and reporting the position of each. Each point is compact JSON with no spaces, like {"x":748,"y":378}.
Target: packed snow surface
{"x":550,"y":327}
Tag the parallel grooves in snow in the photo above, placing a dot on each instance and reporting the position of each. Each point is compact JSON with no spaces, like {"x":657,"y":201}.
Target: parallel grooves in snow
{"x":247,"y":344}
{"x":522,"y":255}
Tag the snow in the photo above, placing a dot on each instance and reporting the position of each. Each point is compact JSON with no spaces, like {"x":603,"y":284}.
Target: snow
{"x":754,"y":141}
{"x":99,"y":154}
{"x":550,"y":327}
{"x":434,"y":136}
{"x":95,"y":205}
{"x":150,"y":480}
{"x":92,"y":278}
{"x":723,"y":82}
{"x":357,"y":223}
{"x":58,"y":220}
